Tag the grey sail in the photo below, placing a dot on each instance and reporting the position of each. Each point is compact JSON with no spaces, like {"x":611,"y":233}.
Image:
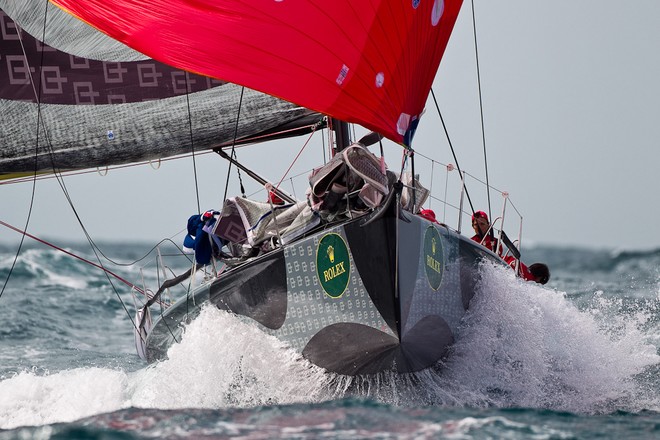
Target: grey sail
{"x":109,"y":105}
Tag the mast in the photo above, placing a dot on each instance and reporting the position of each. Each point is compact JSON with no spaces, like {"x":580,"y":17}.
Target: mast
{"x":342,"y":138}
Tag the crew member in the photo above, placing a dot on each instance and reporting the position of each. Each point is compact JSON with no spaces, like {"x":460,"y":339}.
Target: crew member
{"x":483,"y":233}
{"x":537,"y":272}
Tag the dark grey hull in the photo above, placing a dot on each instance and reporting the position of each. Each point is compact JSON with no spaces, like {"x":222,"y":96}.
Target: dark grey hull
{"x":343,"y":299}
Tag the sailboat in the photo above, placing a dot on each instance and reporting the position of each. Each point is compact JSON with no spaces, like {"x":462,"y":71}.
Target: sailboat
{"x":352,"y":277}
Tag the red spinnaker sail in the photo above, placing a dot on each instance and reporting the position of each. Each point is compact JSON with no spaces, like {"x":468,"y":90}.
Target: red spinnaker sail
{"x":371,"y":62}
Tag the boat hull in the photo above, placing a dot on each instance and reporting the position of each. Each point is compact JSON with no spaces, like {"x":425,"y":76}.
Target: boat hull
{"x":352,"y":299}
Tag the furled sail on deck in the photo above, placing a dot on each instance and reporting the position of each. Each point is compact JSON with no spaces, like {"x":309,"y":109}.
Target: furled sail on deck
{"x":369,"y":62}
{"x":104,"y":104}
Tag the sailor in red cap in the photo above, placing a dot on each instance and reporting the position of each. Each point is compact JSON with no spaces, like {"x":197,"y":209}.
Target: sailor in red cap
{"x":483,"y":234}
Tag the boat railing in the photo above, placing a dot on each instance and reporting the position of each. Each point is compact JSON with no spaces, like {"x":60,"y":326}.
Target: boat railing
{"x":168,"y":263}
{"x":462,"y":193}
{"x":456,"y":193}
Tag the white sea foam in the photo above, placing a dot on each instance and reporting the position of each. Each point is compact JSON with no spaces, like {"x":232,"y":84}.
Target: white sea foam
{"x":521,"y":345}
{"x":221,"y":362}
{"x":225,"y":362}
{"x":528,"y":346}
{"x":464,"y":428}
{"x":28,"y":399}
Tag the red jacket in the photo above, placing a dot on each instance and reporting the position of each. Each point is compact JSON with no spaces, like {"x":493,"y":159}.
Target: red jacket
{"x":523,"y":271}
{"x":488,"y":242}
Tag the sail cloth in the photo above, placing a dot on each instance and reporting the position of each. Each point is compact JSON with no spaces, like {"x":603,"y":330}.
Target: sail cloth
{"x":369,"y":62}
{"x":250,"y":223}
{"x":118,"y":108}
{"x":354,"y":170}
{"x":69,"y":79}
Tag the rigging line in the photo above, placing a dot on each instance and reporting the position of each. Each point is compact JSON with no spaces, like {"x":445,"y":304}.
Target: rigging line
{"x":233,"y":150}
{"x":451,"y":146}
{"x":116,"y":263}
{"x":84,"y":260}
{"x":414,"y":190}
{"x":192,"y":143}
{"x":58,"y":175}
{"x":293,"y":188}
{"x":57,"y":172}
{"x":444,"y":214}
{"x":95,"y":249}
{"x":481,"y":108}
{"x":36,"y":149}
{"x":323,"y":145}
{"x":14,"y":180}
{"x":431,"y":185}
{"x":297,"y":156}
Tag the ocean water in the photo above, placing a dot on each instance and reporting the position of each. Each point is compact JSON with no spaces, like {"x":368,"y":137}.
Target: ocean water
{"x":577,"y":358}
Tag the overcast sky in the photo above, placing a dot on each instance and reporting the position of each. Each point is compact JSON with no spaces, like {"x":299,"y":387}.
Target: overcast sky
{"x":570,"y":100}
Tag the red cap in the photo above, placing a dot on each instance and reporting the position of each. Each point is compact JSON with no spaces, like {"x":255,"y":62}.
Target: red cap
{"x":428,"y":214}
{"x":479,"y":214}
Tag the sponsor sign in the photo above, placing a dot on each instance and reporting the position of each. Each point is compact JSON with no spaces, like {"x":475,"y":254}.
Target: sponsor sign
{"x":333,"y":265}
{"x":433,"y":257}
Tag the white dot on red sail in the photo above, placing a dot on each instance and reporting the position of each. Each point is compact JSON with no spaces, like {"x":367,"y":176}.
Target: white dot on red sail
{"x":438,"y":10}
{"x":415,"y":3}
{"x":380,"y":79}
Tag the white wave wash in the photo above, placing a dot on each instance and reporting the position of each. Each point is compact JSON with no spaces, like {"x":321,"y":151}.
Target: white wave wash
{"x":521,"y":345}
{"x":224,"y":362}
{"x":221,"y":362}
{"x":27,"y":399}
{"x":527,"y":346}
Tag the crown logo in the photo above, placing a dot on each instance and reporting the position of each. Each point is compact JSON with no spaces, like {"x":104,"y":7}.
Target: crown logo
{"x":331,"y":254}
{"x":433,"y":245}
